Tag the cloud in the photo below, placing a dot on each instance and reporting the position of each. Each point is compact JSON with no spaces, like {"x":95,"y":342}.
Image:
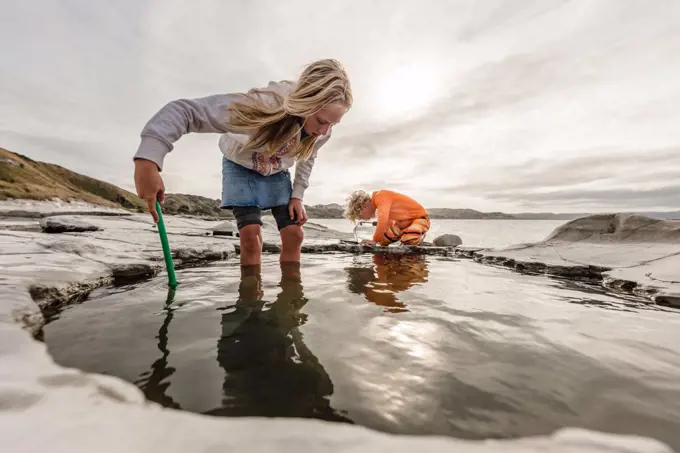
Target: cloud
{"x":549,"y":96}
{"x":486,"y":89}
{"x":73,"y":154}
{"x":618,"y":168}
{"x":662,"y":198}
{"x":630,"y":179}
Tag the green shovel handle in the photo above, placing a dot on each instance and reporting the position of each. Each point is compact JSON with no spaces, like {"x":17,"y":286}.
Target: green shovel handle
{"x":172,"y":280}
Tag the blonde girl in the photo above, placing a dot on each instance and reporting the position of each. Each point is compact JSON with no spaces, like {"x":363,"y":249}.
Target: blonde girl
{"x":264,"y":133}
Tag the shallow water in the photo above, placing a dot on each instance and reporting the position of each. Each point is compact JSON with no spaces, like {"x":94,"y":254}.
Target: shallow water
{"x":421,"y":345}
{"x":476,"y":233}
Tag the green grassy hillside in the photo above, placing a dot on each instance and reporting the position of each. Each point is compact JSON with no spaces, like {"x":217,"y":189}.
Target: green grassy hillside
{"x":24,"y":178}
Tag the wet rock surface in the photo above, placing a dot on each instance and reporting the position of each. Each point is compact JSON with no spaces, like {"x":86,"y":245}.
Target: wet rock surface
{"x":625,"y":253}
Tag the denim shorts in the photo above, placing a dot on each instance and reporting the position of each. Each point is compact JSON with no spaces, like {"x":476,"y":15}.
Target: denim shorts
{"x":242,"y":187}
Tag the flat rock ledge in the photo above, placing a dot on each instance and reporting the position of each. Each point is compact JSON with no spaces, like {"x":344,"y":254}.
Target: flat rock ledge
{"x":61,"y":269}
{"x":504,"y":258}
{"x":66,"y":224}
{"x":625,"y":253}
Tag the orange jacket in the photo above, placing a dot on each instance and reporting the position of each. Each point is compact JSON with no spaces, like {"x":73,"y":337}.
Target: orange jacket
{"x":394,"y":207}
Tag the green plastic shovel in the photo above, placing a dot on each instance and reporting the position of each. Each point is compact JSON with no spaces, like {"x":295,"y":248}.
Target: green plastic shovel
{"x":172,"y":280}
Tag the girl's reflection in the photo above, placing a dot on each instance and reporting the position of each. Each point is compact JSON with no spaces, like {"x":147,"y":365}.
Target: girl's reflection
{"x":269,"y":371}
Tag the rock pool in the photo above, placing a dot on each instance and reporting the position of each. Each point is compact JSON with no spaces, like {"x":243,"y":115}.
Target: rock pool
{"x":403,"y":344}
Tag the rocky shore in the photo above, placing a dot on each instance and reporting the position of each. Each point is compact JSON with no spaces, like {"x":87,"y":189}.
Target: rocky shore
{"x":60,"y":253}
{"x":53,"y":255}
{"x":626,"y":253}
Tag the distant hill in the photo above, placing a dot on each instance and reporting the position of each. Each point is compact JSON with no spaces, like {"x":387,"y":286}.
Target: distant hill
{"x":446,"y":213}
{"x":547,"y":216}
{"x":325,"y":211}
{"x":194,"y":205}
{"x":24,"y":178}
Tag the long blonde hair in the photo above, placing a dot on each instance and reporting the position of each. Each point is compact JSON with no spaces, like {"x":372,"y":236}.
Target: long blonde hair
{"x":321,"y":83}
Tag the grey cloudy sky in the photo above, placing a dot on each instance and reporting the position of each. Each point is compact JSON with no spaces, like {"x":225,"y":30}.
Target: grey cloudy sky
{"x":513,"y":105}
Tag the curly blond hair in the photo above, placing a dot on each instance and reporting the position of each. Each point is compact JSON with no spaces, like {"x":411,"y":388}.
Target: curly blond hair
{"x":355,"y":202}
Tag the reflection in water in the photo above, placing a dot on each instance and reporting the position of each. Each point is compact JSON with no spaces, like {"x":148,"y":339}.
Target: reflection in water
{"x":152,"y":382}
{"x":269,"y":371}
{"x":392,"y":274}
{"x":482,"y":352}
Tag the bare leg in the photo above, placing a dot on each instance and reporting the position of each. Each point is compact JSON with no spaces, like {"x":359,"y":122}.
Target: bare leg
{"x":251,"y":245}
{"x":291,"y":243}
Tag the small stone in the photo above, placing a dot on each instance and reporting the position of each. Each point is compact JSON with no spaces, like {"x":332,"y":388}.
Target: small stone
{"x":271,"y":248}
{"x":447,"y":240}
{"x":668,"y":300}
{"x":227,"y":228}
{"x":63,"y":224}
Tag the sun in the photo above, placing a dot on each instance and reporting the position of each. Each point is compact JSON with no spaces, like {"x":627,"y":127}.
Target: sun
{"x":405,"y":90}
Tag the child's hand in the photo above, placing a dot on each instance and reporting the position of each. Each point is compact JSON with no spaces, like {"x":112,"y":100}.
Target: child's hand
{"x":297,"y":211}
{"x":149,"y":185}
